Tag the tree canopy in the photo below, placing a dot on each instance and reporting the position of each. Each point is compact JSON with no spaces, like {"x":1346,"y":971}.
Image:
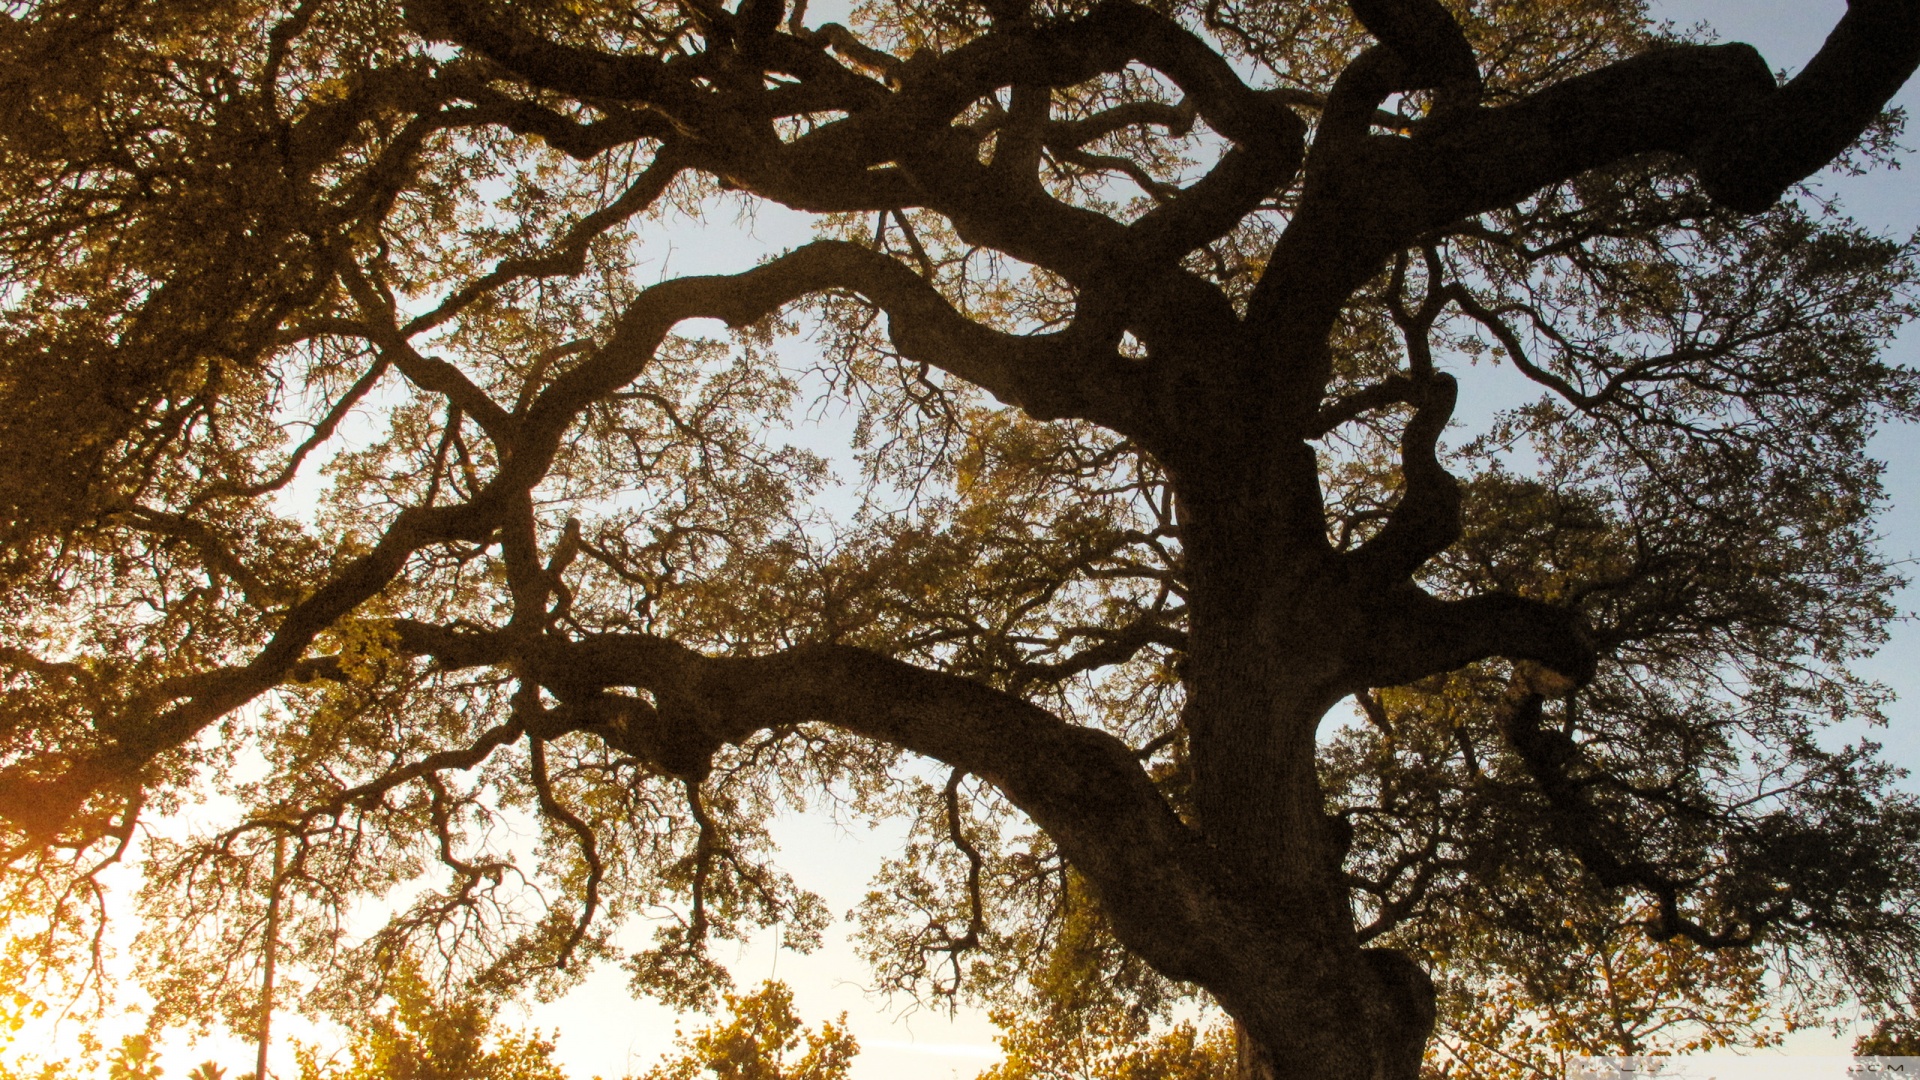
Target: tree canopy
{"x":1152,"y":321}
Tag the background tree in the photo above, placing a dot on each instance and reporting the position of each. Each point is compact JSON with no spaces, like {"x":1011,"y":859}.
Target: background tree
{"x":1061,"y":1048}
{"x":422,"y":1034}
{"x":1893,"y":1037}
{"x":762,"y":1039}
{"x":1151,"y":317}
{"x":428,"y":1035}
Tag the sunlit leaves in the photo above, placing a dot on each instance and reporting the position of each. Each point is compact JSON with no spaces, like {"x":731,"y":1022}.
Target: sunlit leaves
{"x":426,"y":1033}
{"x":761,"y":1038}
{"x":1049,"y":1049}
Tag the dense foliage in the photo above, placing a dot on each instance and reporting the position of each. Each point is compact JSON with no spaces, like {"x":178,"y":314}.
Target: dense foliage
{"x":369,"y":487}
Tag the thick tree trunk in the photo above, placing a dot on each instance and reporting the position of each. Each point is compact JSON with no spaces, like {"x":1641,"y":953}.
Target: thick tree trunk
{"x":1273,"y":616}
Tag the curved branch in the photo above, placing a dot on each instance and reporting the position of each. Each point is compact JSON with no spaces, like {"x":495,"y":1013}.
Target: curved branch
{"x":321,"y":433}
{"x":578,"y":140}
{"x":568,"y":69}
{"x":1306,"y":99}
{"x":1516,"y":349}
{"x":214,"y":551}
{"x":169,"y":715}
{"x":567,"y":257}
{"x":976,"y":910}
{"x":1429,"y":43}
{"x":934,"y":90}
{"x":1718,"y":105}
{"x":1798,"y":130}
{"x":843,"y":41}
{"x":837,"y":166}
{"x":1070,"y":134}
{"x":429,"y":373}
{"x":427,"y":767}
{"x":583,"y":835}
{"x":1410,"y":634}
{"x":1170,"y":897}
{"x":1050,"y":376}
{"x":1116,"y":646}
{"x":1392,"y":390}
{"x":1426,"y":520}
{"x":42,"y":805}
{"x":1159,"y":190}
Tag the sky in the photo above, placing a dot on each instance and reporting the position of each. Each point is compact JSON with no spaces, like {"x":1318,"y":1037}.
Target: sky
{"x":603,"y":1031}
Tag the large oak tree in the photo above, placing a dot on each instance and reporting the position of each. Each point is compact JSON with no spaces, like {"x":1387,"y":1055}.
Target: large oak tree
{"x":1153,"y":318}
